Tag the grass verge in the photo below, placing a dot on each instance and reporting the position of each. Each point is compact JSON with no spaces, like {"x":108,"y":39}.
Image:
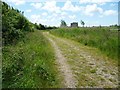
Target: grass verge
{"x":104,"y":39}
{"x":30,"y":63}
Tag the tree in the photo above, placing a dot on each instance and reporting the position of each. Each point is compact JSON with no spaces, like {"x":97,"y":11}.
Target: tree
{"x":115,"y":25}
{"x":42,"y":27}
{"x":82,"y":23}
{"x":63,"y":23}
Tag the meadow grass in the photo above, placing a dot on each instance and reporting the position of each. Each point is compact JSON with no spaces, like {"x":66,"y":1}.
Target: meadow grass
{"x":30,"y":63}
{"x":104,"y":39}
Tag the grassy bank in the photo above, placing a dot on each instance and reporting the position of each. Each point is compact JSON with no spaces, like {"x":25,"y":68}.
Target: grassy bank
{"x":102,"y":38}
{"x":30,"y":63}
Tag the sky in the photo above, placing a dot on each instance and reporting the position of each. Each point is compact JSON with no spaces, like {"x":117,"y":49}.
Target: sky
{"x":51,"y":12}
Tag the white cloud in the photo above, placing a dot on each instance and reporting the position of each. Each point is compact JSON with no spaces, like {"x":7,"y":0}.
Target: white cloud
{"x":36,"y":5}
{"x":72,"y":16}
{"x":62,"y":17}
{"x":64,"y":13}
{"x":52,"y":15}
{"x":110,"y":12}
{"x":97,"y":1}
{"x":44,"y":14}
{"x":48,"y":20}
{"x":90,"y":9}
{"x":17,"y":2}
{"x":55,"y":15}
{"x":38,"y":19}
{"x":35,"y":18}
{"x":68,"y":6}
{"x":51,"y":7}
{"x":53,"y":19}
{"x":29,"y":10}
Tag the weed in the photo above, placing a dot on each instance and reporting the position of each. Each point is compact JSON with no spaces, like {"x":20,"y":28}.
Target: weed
{"x":30,"y":63}
{"x":93,"y":71}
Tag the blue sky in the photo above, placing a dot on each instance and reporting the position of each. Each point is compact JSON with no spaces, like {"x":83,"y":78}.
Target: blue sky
{"x":51,"y":12}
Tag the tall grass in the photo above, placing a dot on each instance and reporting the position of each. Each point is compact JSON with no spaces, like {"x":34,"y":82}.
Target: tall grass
{"x":30,"y":63}
{"x":102,"y":38}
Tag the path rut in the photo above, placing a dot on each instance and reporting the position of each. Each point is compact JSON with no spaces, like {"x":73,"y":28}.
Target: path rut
{"x":69,"y":79}
{"x":80,"y":68}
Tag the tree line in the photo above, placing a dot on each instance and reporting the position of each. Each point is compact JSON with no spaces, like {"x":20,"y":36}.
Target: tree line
{"x":43,"y":27}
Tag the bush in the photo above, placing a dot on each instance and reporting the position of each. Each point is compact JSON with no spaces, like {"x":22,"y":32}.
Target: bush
{"x":14,"y":25}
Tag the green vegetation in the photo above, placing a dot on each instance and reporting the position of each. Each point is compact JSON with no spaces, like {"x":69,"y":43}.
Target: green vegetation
{"x":82,"y":23}
{"x":63,"y":23}
{"x":14,"y":24}
{"x":102,"y":38}
{"x":30,"y":63}
{"x":43,"y":27}
{"x":27,"y":57}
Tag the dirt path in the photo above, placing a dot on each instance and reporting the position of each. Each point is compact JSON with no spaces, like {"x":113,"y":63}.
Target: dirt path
{"x":82,"y":66}
{"x":69,"y":80}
